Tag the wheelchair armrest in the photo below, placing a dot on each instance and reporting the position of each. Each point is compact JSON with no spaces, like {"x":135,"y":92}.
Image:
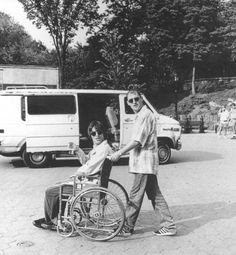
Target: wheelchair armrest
{"x":77,"y":177}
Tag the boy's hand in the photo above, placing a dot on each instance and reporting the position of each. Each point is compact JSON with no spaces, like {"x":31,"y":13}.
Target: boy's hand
{"x":72,"y":148}
{"x":115,"y":156}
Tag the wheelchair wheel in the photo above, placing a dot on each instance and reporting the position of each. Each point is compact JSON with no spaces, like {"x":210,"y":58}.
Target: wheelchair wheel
{"x":65,"y":229}
{"x":116,"y":188}
{"x":103,"y":214}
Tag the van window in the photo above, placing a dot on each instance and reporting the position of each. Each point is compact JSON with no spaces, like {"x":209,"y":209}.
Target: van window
{"x":51,"y":104}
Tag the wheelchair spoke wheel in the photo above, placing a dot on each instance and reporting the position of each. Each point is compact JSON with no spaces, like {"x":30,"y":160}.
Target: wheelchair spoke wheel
{"x":117,"y":189}
{"x":105,"y":217}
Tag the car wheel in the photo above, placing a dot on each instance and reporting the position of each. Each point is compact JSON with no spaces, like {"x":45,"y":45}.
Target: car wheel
{"x":36,"y":159}
{"x":164,"y":152}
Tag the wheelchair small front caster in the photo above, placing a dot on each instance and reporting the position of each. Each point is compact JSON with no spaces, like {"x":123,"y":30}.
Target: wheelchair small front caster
{"x":65,"y":229}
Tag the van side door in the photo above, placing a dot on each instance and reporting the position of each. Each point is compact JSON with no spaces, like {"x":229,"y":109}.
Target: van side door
{"x":52,"y":122}
{"x":127,"y":118}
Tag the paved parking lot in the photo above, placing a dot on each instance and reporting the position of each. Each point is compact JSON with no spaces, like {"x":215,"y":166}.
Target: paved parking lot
{"x":199,"y":185}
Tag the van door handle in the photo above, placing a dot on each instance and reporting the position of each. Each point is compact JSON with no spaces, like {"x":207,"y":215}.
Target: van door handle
{"x":128,"y":120}
{"x":71,"y":118}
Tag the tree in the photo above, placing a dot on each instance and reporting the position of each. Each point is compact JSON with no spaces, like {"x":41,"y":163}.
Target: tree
{"x":229,"y":33}
{"x":17,"y":47}
{"x":62,"y":18}
{"x":127,"y":17}
{"x":154,"y":23}
{"x":81,"y":68}
{"x":182,"y":34}
{"x":121,"y":68}
{"x":200,"y":37}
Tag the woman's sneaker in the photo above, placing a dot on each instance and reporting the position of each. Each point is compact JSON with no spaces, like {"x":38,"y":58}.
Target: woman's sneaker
{"x":165,"y":232}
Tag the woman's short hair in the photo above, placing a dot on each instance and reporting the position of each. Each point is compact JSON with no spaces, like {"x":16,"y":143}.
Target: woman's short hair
{"x":98,"y":127}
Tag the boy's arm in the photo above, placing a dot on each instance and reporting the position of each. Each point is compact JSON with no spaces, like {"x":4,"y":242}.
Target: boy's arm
{"x":131,"y":145}
{"x":94,"y":164}
{"x":83,"y":158}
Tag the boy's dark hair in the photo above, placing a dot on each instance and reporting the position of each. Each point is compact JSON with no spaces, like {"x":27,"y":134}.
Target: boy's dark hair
{"x":98,"y":126}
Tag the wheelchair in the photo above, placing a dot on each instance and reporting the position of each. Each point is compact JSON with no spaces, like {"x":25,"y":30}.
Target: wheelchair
{"x":93,"y":206}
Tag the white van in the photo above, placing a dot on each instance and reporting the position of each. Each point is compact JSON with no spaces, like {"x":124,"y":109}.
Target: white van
{"x":38,"y":124}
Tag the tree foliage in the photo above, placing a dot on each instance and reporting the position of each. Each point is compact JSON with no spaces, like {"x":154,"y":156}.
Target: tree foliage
{"x":81,"y":69}
{"x":183,"y":33}
{"x":150,"y":42}
{"x":121,"y":67}
{"x":178,"y":34}
{"x":17,"y":47}
{"x":62,"y":18}
{"x":229,"y":33}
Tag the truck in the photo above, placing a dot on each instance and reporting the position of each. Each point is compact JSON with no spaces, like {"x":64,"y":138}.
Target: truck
{"x":27,"y":76}
{"x":38,"y":124}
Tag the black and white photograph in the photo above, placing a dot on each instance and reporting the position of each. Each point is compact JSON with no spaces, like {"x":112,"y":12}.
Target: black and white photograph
{"x":117,"y":127}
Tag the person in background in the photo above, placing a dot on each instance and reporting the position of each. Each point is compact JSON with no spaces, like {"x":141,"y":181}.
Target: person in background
{"x":233,"y":119}
{"x":143,"y":164}
{"x":224,"y":116}
{"x":91,"y":164}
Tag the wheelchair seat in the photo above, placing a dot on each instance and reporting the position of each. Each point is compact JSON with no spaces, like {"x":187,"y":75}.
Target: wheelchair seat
{"x":100,"y":179}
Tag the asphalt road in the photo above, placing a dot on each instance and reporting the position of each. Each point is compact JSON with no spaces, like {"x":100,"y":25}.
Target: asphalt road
{"x":198,"y":184}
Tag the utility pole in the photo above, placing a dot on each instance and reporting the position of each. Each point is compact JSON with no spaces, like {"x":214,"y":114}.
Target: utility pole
{"x":176,"y":81}
{"x":193,"y":79}
{"x":193,"y":74}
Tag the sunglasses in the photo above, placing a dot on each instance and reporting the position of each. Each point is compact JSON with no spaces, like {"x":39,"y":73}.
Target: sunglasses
{"x":96,"y":132}
{"x":133,"y":100}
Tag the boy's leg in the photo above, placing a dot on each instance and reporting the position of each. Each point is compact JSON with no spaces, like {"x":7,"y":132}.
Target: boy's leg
{"x":51,"y":203}
{"x":136,"y":199}
{"x":220,"y":128}
{"x":51,"y":208}
{"x":159,"y":203}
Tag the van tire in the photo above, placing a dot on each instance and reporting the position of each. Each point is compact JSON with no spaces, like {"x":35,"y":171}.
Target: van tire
{"x":37,"y":159}
{"x":164,"y":153}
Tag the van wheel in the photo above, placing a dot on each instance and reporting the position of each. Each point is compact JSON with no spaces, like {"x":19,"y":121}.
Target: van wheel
{"x":36,"y":159}
{"x":164,"y":152}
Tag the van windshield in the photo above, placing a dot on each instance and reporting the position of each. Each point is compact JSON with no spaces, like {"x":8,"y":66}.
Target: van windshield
{"x":53,"y":104}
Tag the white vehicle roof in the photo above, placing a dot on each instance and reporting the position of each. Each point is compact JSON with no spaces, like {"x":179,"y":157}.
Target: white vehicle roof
{"x":19,"y":92}
{"x":59,"y":91}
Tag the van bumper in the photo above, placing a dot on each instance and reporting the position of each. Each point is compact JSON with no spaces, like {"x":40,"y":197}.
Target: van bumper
{"x":11,"y":147}
{"x":10,"y":154}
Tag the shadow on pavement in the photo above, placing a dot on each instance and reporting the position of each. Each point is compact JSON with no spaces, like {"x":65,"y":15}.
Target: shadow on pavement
{"x":189,"y":217}
{"x":18,"y":162}
{"x":195,"y":156}
{"x":56,"y":163}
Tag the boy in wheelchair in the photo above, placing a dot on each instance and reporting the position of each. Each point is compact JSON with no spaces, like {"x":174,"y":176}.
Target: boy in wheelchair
{"x":91,"y":165}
